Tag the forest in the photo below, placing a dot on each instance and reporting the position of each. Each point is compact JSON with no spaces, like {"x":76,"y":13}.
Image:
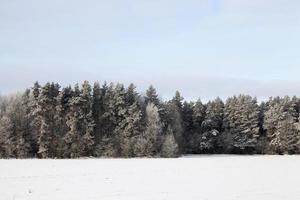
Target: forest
{"x":111,"y":120}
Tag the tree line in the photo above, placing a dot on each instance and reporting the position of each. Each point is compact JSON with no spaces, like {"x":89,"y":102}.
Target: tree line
{"x":112,"y":120}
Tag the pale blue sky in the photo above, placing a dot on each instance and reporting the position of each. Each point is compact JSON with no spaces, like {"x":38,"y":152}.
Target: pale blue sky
{"x":204,"y":48}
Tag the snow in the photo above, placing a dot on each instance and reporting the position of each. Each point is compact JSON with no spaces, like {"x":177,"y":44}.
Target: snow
{"x":191,"y":178}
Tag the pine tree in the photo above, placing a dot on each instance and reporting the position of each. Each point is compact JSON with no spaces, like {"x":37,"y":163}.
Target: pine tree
{"x":280,"y":122}
{"x":35,"y":121}
{"x":106,"y":146}
{"x":47,"y":102}
{"x":188,"y":126}
{"x":97,"y":111}
{"x":241,"y":123}
{"x":27,"y":138}
{"x":79,"y":139}
{"x":197,"y":141}
{"x":62,"y":109}
{"x":88,"y":122}
{"x":129,"y":115}
{"x":174,"y":110}
{"x":212,"y":126}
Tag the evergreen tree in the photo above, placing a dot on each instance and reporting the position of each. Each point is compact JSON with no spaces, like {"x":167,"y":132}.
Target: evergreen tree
{"x":212,"y":127}
{"x":241,"y":115}
{"x":47,"y":102}
{"x":106,"y":146}
{"x":129,"y":116}
{"x":97,"y":111}
{"x":35,"y":121}
{"x":280,"y":122}
{"x":79,"y":139}
{"x":174,"y":111}
{"x":151,"y":96}
{"x":188,"y":126}
{"x":112,"y":121}
{"x":197,"y":141}
{"x":62,"y":110}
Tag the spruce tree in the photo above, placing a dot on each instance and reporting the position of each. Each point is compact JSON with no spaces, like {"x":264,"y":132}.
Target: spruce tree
{"x":174,"y":115}
{"x":151,"y":96}
{"x":188,"y":126}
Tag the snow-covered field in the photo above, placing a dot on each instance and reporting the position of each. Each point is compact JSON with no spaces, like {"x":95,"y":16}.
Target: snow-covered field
{"x":190,"y":178}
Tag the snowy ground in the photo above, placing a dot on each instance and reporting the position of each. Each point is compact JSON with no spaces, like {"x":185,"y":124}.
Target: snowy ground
{"x":190,"y":178}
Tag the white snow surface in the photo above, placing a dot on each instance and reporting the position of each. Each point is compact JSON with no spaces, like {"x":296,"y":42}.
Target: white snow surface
{"x":186,"y":178}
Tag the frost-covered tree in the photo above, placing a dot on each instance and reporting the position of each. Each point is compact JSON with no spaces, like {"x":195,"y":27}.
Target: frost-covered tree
{"x":129,"y":115}
{"x":19,"y":114}
{"x":114,"y":121}
{"x":62,"y":110}
{"x":151,"y":96}
{"x":241,"y":124}
{"x":46,"y":110}
{"x":15,"y":128}
{"x":280,"y":122}
{"x":212,"y":127}
{"x":6,"y":132}
{"x":149,"y":143}
{"x":170,"y":146}
{"x":79,"y":138}
{"x":197,"y":140}
{"x":98,"y":110}
{"x":35,"y":121}
{"x":174,"y":119}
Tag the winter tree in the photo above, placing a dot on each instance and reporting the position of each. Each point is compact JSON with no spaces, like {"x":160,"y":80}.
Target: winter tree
{"x":150,"y":142}
{"x":280,"y":122}
{"x":241,"y":115}
{"x":170,"y":146}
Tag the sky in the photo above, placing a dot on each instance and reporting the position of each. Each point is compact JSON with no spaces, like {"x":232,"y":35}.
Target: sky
{"x":203,"y":48}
